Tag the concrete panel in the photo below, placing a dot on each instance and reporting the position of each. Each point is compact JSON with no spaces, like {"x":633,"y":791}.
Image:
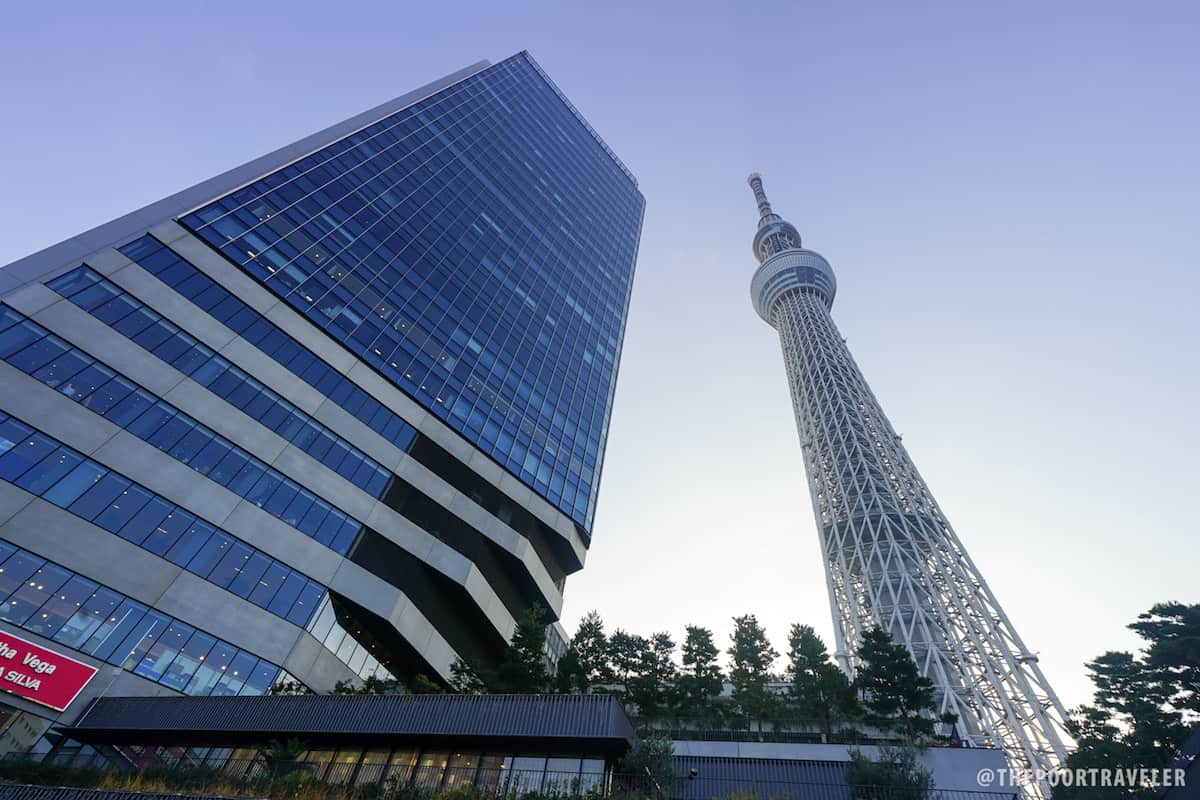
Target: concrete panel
{"x":166,"y":301}
{"x":219,"y":268}
{"x":311,"y":337}
{"x":370,"y":591}
{"x":160,"y":473}
{"x":212,"y":411}
{"x":339,"y":420}
{"x":83,"y":547}
{"x":322,"y":481}
{"x":31,"y":299}
{"x":100,"y":341}
{"x":279,"y":540}
{"x":168,"y":231}
{"x":229,"y":617}
{"x":313,"y":664}
{"x":107,"y":261}
{"x":43,"y":408}
{"x":12,"y":500}
{"x":270,"y":373}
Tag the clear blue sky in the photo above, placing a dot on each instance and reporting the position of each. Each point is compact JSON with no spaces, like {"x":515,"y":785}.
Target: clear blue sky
{"x":1008,"y":192}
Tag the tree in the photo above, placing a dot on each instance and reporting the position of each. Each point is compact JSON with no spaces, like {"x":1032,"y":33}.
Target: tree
{"x":897,"y":774}
{"x":625,"y":655}
{"x":590,"y":645}
{"x":894,"y":694}
{"x":649,"y":687}
{"x":371,"y":685}
{"x":819,"y":690}
{"x":421,"y":684}
{"x":280,"y":757}
{"x":466,"y":677}
{"x":1143,"y":704}
{"x":751,"y":659}
{"x":651,"y":758}
{"x":700,"y":681}
{"x":569,"y":675}
{"x":523,"y":668}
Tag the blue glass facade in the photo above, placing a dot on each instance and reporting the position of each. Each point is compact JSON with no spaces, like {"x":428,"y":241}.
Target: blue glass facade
{"x":477,"y":248}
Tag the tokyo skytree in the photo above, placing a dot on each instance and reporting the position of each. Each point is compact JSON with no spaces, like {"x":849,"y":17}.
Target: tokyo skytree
{"x":891,"y":557}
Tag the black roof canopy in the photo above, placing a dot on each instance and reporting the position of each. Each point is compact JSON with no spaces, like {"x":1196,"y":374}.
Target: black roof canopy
{"x":556,"y":723}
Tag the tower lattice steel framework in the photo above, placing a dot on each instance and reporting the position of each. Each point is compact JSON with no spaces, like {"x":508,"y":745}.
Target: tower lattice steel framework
{"x":891,"y":558}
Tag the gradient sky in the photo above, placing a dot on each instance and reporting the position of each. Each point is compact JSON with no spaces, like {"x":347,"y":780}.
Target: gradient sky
{"x":1007,"y":192}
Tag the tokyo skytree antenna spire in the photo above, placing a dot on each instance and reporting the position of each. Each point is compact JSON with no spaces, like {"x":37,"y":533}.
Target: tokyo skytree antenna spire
{"x":891,"y":558}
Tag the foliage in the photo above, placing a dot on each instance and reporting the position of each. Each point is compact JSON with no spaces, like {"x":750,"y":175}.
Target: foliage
{"x":894,"y":694}
{"x":278,"y":755}
{"x":289,"y":688}
{"x":651,"y":685}
{"x":523,"y":668}
{"x":819,"y":690}
{"x":625,"y":655}
{"x":751,"y":658}
{"x":897,"y":774}
{"x":1143,"y":704}
{"x":590,"y":645}
{"x":651,"y":756}
{"x":422,"y":684}
{"x":700,"y":681}
{"x":371,"y":685}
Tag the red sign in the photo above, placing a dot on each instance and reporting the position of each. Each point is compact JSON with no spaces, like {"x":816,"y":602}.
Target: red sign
{"x":40,"y":675}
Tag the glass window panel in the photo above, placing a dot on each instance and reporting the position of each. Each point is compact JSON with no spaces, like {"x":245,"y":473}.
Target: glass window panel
{"x":88,"y":381}
{"x":164,"y":650}
{"x":18,"y":337}
{"x":137,"y":643}
{"x":430,"y":768}
{"x":49,"y":470}
{"x":342,"y":766}
{"x":80,"y":480}
{"x":131,"y":408}
{"x":562,"y":775}
{"x":23,"y":449}
{"x":211,"y":671}
{"x":114,"y":628}
{"x":122,"y":509}
{"x":372,"y":766}
{"x":38,"y":354}
{"x":62,"y":605}
{"x":210,"y":554}
{"x":261,"y":678}
{"x":461,"y":768}
{"x":233,"y":561}
{"x":306,"y":604}
{"x":401,"y":766}
{"x":88,"y":618}
{"x":108,"y":396}
{"x":526,"y":774}
{"x":167,"y":532}
{"x":281,"y":604}
{"x":61,"y":369}
{"x":235,"y":675}
{"x":33,"y":593}
{"x":190,"y":542}
{"x":268,"y":584}
{"x":190,"y":657}
{"x":73,"y":281}
{"x":146,"y":520}
{"x":247,"y":579}
{"x":171,"y":431}
{"x":100,"y":496}
{"x":16,"y":570}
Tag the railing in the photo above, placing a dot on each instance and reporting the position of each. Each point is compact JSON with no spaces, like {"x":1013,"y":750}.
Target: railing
{"x":260,"y":778}
{"x":744,"y":729}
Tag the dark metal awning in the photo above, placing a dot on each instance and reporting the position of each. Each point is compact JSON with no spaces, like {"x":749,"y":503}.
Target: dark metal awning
{"x":567,"y":723}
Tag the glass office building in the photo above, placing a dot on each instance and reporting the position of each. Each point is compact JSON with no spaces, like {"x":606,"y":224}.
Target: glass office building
{"x":337,"y":413}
